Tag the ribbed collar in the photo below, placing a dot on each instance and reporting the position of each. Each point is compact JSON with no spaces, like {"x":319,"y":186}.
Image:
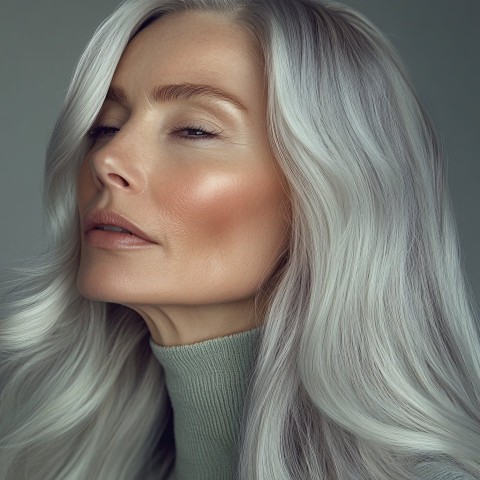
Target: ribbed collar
{"x":207,"y":383}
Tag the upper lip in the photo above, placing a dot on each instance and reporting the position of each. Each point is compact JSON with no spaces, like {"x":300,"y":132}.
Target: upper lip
{"x":98,"y":217}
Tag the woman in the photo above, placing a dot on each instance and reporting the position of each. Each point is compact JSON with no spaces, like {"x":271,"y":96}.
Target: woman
{"x":288,"y":300}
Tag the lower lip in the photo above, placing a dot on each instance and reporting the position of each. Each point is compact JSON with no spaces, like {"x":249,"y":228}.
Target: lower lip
{"x":109,"y":239}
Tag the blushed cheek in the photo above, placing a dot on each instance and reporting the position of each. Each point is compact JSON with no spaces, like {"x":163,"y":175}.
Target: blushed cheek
{"x":219,"y":206}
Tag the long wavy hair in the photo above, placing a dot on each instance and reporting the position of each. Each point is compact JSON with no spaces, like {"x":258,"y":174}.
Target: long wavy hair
{"x":369,"y":360}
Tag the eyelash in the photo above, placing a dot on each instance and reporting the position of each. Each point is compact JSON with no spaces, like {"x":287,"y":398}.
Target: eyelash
{"x":99,"y":130}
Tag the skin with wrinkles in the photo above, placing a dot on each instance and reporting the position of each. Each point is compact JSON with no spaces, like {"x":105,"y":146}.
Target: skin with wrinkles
{"x":217,"y":207}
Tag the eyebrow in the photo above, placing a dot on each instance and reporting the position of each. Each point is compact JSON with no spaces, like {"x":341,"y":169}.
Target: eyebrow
{"x":178,"y":91}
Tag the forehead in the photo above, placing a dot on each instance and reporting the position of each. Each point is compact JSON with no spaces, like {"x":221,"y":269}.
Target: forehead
{"x":192,"y":46}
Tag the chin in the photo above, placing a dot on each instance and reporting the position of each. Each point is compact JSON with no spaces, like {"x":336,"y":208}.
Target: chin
{"x":97,"y":288}
{"x":91,"y":293}
{"x":100,"y":288}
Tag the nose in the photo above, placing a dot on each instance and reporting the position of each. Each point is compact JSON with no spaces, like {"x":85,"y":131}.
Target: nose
{"x":114,"y":165}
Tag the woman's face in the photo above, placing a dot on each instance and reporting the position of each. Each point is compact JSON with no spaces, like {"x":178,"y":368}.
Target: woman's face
{"x":214,"y":205}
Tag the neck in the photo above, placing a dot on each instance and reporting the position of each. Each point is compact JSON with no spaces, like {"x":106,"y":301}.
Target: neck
{"x":175,"y":325}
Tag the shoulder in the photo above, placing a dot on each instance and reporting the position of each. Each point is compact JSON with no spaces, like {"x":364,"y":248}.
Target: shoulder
{"x":438,"y":470}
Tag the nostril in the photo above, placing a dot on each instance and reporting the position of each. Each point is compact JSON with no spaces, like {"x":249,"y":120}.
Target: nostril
{"x":118,"y":179}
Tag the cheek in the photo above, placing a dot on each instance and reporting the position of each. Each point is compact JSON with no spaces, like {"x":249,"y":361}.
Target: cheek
{"x":85,"y":187}
{"x":222,"y":205}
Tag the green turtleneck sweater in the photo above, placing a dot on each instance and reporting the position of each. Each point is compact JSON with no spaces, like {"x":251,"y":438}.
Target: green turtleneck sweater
{"x":207,"y":382}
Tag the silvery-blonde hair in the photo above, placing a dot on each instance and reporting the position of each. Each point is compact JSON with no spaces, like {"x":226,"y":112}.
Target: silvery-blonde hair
{"x":369,"y":364}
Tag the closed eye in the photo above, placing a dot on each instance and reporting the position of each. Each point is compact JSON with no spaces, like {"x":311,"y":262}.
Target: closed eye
{"x":194,"y":133}
{"x":101,"y":130}
{"x":189,"y":132}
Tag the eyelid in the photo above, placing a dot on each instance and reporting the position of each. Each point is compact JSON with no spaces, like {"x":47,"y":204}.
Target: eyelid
{"x":210,"y":133}
{"x":96,"y":131}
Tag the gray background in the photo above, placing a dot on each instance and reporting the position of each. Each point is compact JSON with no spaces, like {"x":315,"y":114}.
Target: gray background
{"x":41,"y":41}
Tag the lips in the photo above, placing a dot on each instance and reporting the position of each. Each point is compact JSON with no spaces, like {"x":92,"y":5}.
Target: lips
{"x":98,"y":217}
